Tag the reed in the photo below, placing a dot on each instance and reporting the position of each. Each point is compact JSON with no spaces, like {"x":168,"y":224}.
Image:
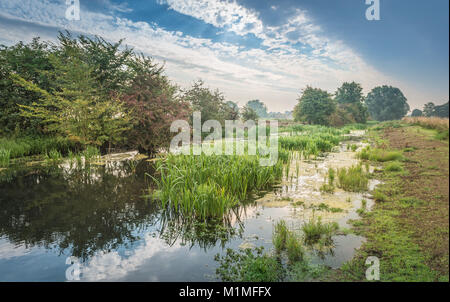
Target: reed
{"x":379,"y":155}
{"x":5,"y":157}
{"x":353,"y":179}
{"x":209,"y":186}
{"x":315,"y":231}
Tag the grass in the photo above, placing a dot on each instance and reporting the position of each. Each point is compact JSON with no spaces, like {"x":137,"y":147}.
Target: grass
{"x":53,"y":156}
{"x":407,"y":228}
{"x":286,"y":240}
{"x":353,"y":179}
{"x":279,"y":236}
{"x":315,"y":231}
{"x":248,"y":266}
{"x":380,"y":196}
{"x":5,"y":156}
{"x":311,"y":140}
{"x":394,"y":167}
{"x":294,"y":249}
{"x":27,"y":146}
{"x":380,"y":155}
{"x":440,"y":124}
{"x":209,"y":186}
{"x":329,"y":187}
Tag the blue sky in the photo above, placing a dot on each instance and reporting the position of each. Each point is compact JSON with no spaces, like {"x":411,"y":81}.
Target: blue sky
{"x":267,"y":50}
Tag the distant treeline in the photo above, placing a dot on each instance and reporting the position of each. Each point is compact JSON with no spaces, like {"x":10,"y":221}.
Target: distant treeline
{"x":432,"y":110}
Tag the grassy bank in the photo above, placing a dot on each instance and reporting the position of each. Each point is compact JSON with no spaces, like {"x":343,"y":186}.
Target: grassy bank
{"x":408,"y":227}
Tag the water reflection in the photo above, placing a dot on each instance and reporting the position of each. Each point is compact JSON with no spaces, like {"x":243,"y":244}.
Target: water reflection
{"x":81,"y":209}
{"x":77,"y":211}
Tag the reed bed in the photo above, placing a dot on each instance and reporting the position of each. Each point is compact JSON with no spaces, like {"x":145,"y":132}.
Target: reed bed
{"x":209,"y":186}
{"x":379,"y":155}
{"x":353,"y":179}
{"x":310,"y":144}
{"x":26,"y":146}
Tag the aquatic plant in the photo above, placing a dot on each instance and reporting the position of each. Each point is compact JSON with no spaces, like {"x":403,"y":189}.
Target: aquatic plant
{"x":353,"y":179}
{"x":294,"y":249}
{"x":90,"y":153}
{"x":394,"y":167}
{"x":379,"y":155}
{"x":53,"y":156}
{"x":279,"y":236}
{"x":248,"y":266}
{"x":208,"y":186}
{"x":26,"y":146}
{"x":314,"y":231}
{"x":5,"y":156}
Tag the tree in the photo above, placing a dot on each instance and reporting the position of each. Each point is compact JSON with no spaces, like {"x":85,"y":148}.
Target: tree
{"x":232,"y":111}
{"x":349,"y":93}
{"x":78,"y":110}
{"x":31,"y":62}
{"x":441,"y":110}
{"x":315,"y":106}
{"x":351,"y":100}
{"x":155,"y":105}
{"x":386,"y":103}
{"x":259,"y":107}
{"x":211,"y":103}
{"x":248,"y":114}
{"x":428,"y":109}
{"x":416,"y":113}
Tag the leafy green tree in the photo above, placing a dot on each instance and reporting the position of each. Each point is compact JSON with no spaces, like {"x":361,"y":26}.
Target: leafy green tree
{"x":315,"y":106}
{"x":248,"y":114}
{"x":31,"y":62}
{"x":259,"y":107}
{"x":386,"y":103}
{"x":350,"y":98}
{"x":232,"y":111}
{"x":211,"y":103}
{"x":428,"y":109}
{"x":441,"y":110}
{"x":416,"y":113}
{"x":78,"y":111}
{"x":349,"y":93}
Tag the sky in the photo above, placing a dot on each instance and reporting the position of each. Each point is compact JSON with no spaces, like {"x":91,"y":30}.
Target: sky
{"x":266,"y":50}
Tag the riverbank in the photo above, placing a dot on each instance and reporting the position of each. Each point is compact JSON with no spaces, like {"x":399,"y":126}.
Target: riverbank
{"x":408,"y":227}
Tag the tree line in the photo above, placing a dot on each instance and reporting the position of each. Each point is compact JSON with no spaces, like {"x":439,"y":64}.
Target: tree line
{"x":348,"y":105}
{"x":430,"y":110}
{"x":96,"y":93}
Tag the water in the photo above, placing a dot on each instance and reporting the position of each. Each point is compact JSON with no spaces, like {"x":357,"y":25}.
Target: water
{"x":99,"y":215}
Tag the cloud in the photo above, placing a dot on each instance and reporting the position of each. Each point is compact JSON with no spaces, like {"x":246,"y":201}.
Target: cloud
{"x":113,"y":266}
{"x":289,"y":57}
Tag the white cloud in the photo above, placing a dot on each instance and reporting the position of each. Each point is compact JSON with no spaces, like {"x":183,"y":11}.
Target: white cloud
{"x":274,"y":73}
{"x":113,"y":266}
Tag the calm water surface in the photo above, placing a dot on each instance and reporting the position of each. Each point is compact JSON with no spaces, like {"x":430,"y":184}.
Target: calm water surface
{"x":99,"y":215}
